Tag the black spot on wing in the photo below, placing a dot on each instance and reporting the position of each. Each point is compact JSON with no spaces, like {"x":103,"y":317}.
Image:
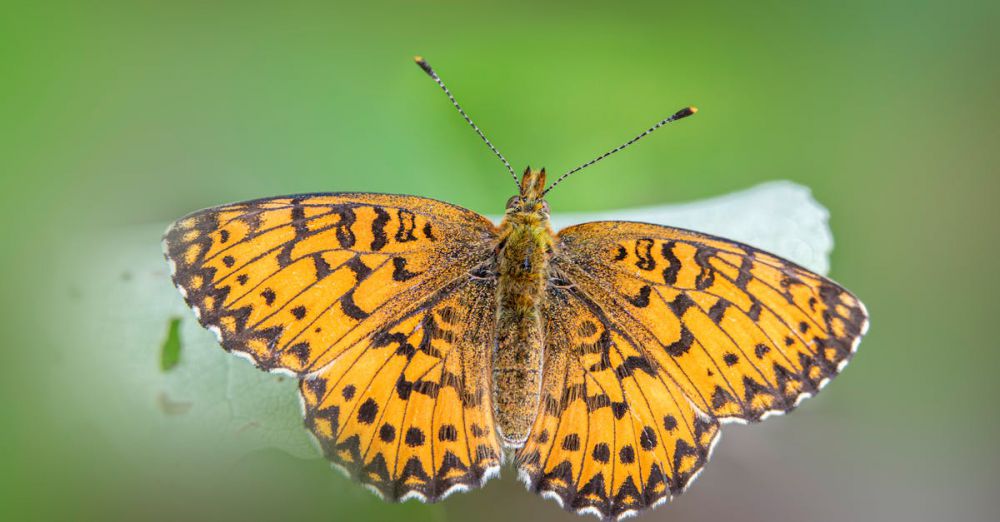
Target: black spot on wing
{"x":301,"y":352}
{"x":360,"y":269}
{"x":596,"y":402}
{"x":601,"y":453}
{"x":632,"y":363}
{"x":347,"y":304}
{"x":407,"y":223}
{"x":268,"y":296}
{"x":753,"y":388}
{"x":680,"y":304}
{"x":593,"y":494}
{"x":429,"y":232}
{"x":428,"y":388}
{"x":351,"y":308}
{"x":673,"y":263}
{"x":317,"y":386}
{"x":379,"y":238}
{"x":557,"y":480}
{"x":345,"y":236}
{"x":619,"y":409}
{"x":628,"y":498}
{"x":718,"y":310}
{"x":586,"y":329}
{"x":640,"y":300}
{"x":447,"y":433}
{"x":627,"y":454}
{"x":721,"y":397}
{"x":643,"y":251}
{"x":298,"y":222}
{"x":403,"y":388}
{"x":682,"y":345}
{"x":414,"y":437}
{"x":647,"y":439}
{"x":367,"y":411}
{"x":399,"y":271}
{"x":746,"y":272}
{"x":323,"y":268}
{"x":706,"y":277}
{"x":412,"y":478}
{"x":377,"y":468}
{"x":682,"y":450}
{"x":571,"y":442}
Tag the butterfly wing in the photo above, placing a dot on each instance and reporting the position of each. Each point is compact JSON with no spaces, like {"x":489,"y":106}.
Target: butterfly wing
{"x":292,"y":282}
{"x":337,"y":289}
{"x":409,"y":412}
{"x":725,"y":331}
{"x":614,"y":435}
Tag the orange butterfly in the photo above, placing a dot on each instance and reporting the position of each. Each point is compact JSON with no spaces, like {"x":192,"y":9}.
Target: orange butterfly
{"x":430,"y":343}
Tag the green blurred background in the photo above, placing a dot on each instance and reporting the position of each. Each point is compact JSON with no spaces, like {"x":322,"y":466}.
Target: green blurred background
{"x":118,"y":114}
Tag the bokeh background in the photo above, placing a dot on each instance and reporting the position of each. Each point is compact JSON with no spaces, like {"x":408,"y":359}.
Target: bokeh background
{"x":117,"y":114}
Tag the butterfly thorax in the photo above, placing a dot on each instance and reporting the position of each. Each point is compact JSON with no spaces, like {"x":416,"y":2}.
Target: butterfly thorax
{"x":522,"y":259}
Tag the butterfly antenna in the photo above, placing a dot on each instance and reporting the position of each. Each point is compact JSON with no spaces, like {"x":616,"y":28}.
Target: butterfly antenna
{"x":683,"y":113}
{"x":430,"y":72}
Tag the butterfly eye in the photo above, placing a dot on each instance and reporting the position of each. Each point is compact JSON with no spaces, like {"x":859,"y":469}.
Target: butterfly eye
{"x":545,"y":207}
{"x":513,"y":201}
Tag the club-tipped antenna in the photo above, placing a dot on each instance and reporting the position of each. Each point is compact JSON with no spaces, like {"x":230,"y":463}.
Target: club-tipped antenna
{"x":430,"y":72}
{"x":683,"y":113}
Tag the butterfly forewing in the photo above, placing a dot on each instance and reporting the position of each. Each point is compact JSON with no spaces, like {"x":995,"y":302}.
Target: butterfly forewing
{"x":368,"y":298}
{"x":294,"y":281}
{"x":743,"y":332}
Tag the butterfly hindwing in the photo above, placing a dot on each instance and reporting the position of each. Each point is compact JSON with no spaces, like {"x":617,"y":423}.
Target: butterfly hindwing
{"x":409,"y":413}
{"x":615,"y":435}
{"x":292,"y":282}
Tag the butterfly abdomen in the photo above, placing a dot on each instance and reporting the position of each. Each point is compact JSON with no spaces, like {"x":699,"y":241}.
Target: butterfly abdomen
{"x":523,"y":264}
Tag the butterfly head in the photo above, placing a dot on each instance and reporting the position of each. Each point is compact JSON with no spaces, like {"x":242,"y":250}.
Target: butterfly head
{"x":530,"y":201}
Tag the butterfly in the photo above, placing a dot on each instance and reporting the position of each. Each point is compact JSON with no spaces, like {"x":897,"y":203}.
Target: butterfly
{"x":431,"y":345}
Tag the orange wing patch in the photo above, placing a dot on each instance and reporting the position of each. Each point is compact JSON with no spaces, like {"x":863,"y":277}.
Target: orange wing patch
{"x":409,"y":413}
{"x":656,"y":336}
{"x":615,"y":435}
{"x":293,"y":282}
{"x":369,"y":299}
{"x":743,"y":333}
